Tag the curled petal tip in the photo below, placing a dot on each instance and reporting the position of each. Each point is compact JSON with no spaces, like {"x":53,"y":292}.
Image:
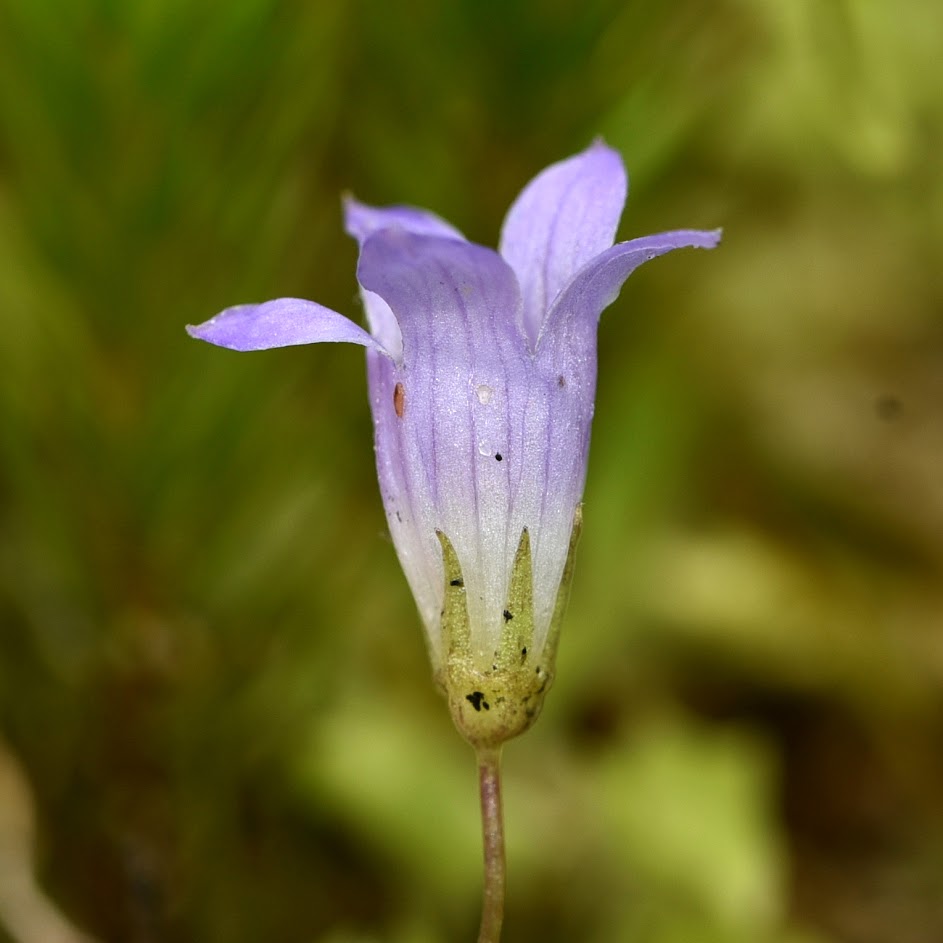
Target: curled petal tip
{"x":204,"y":331}
{"x":683,"y":238}
{"x":599,"y":145}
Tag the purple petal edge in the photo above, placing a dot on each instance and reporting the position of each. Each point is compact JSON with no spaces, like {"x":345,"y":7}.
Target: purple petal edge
{"x":283,"y":322}
{"x":566,"y":216}
{"x":598,"y":283}
{"x":362,"y":220}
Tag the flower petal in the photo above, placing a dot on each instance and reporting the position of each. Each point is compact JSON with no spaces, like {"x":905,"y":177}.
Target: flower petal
{"x":564,"y":217}
{"x":560,"y":421}
{"x":281,"y":323}
{"x":450,"y":443}
{"x":598,"y":283}
{"x":361,"y":221}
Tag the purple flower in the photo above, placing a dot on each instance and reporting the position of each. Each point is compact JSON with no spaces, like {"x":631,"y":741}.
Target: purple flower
{"x":482,"y":374}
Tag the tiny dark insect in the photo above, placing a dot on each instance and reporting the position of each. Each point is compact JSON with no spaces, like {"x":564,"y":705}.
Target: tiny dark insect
{"x":477,"y":700}
{"x":399,"y":399}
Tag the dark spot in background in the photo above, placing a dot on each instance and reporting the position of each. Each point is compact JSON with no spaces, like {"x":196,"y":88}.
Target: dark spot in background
{"x":888,"y":407}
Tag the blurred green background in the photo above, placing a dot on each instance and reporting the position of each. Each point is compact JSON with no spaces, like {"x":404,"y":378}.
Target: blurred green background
{"x":216,"y":716}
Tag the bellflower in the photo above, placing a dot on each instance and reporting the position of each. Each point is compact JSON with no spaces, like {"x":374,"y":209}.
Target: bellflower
{"x":482,"y":374}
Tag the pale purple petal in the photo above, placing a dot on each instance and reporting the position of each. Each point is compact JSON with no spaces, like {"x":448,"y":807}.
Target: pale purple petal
{"x":361,"y":221}
{"x":454,"y":459}
{"x":567,"y":349}
{"x":598,"y":284}
{"x":564,"y":217}
{"x":281,"y":323}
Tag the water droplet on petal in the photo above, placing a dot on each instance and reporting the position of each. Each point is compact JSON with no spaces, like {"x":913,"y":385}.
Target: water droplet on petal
{"x":484,"y":394}
{"x":483,"y":448}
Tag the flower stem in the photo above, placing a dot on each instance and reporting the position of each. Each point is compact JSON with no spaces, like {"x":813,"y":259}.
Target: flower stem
{"x":492,"y":826}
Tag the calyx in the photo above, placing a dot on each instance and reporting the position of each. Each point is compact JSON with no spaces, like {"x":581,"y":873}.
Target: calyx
{"x":501,"y":700}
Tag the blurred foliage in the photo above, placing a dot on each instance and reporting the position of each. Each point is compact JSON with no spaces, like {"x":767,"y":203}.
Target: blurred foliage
{"x":213,"y":689}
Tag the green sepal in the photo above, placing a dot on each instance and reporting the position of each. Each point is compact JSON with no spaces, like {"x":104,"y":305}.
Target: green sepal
{"x":494,"y":702}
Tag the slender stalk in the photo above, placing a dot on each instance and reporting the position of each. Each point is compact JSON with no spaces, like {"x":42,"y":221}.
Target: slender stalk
{"x":492,"y":827}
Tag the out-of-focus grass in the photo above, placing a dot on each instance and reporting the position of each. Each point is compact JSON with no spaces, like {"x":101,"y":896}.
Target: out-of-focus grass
{"x":210,"y":667}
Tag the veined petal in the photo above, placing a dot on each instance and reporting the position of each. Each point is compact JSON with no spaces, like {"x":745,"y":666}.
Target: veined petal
{"x":360,"y":222}
{"x":564,"y":217}
{"x":598,"y":283}
{"x":567,"y":349}
{"x":281,"y":323}
{"x":450,"y":418}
